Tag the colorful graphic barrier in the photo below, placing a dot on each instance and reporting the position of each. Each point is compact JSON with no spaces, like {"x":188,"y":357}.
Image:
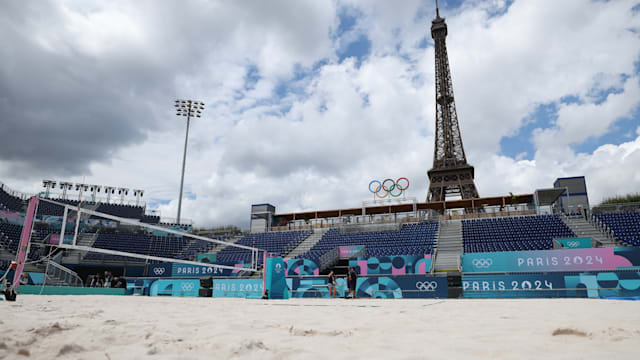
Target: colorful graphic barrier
{"x":552,"y":260}
{"x":179,"y":270}
{"x":349,"y":251}
{"x":592,"y":284}
{"x":575,"y":243}
{"x":163,"y":287}
{"x":386,"y":287}
{"x":244,"y":288}
{"x":301,"y":267}
{"x":395,"y":265}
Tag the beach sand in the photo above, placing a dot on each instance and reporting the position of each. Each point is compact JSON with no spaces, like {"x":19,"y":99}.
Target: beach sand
{"x":130,"y":327}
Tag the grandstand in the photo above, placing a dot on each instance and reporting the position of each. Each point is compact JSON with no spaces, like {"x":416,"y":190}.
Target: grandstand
{"x":513,"y":233}
{"x":624,"y":225}
{"x":411,"y":239}
{"x":278,"y":243}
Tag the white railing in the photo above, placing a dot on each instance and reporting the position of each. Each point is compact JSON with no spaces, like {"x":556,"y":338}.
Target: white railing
{"x":18,"y":194}
{"x":68,"y":276}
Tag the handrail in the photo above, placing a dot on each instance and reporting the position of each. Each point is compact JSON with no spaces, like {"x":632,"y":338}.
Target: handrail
{"x":329,"y":258}
{"x":69,"y":276}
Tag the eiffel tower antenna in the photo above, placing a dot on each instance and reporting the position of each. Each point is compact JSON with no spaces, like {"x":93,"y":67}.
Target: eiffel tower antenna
{"x":450,"y":175}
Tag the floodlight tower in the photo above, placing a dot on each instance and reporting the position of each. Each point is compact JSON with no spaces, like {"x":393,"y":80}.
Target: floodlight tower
{"x":64,"y":185}
{"x":188,"y":108}
{"x":138,"y":194}
{"x":122,"y":192}
{"x":48,"y":185}
{"x":109,"y":190}
{"x":94,"y":189}
{"x":80,"y":188}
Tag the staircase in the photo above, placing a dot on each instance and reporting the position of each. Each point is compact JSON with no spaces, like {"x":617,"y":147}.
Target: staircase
{"x":306,"y":244}
{"x":582,"y":228}
{"x":448,"y":245}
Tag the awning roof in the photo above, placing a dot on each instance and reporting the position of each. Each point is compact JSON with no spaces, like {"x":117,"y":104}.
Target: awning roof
{"x":547,"y":197}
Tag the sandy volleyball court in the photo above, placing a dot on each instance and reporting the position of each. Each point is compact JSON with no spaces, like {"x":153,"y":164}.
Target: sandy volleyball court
{"x":118,"y":327}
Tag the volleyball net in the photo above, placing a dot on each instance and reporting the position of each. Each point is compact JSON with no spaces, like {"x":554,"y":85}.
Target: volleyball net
{"x":95,"y":236}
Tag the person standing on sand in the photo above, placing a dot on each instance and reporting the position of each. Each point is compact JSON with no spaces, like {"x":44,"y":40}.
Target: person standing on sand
{"x":353,"y":281}
{"x":331,"y":284}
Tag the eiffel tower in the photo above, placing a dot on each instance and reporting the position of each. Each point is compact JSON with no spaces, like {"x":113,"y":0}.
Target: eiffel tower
{"x":451,"y":175}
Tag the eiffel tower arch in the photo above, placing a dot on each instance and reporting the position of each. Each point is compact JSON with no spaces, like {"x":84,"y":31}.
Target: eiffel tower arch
{"x":450,"y":175}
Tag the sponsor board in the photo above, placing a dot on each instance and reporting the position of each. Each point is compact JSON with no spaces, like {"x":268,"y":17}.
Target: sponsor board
{"x":394,"y":265}
{"x":244,"y":288}
{"x":552,"y":260}
{"x":385,"y":287}
{"x":557,"y":284}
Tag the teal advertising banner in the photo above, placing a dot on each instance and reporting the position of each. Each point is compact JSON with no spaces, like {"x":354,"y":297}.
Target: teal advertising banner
{"x":592,"y":259}
{"x":575,"y":243}
{"x":243,"y":288}
{"x":275,"y":278}
{"x":162,"y":287}
{"x":558,"y":284}
{"x":188,"y":270}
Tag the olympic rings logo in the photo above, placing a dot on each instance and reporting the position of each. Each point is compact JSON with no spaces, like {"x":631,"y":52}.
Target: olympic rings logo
{"x":482,"y":263}
{"x":572,"y":243}
{"x":187,"y":286}
{"x":426,"y":286}
{"x":158,"y":271}
{"x":388,"y":186}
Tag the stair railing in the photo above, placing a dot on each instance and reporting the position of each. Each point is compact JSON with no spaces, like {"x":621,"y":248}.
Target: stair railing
{"x":68,"y":276}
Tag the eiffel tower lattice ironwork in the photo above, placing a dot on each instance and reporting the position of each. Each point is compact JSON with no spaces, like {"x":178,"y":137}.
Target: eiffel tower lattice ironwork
{"x":451,"y":175}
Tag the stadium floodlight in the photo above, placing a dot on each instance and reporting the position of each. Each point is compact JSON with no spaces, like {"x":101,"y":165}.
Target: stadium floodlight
{"x":94,"y":189}
{"x":188,"y":108}
{"x":48,"y":185}
{"x":64,"y":185}
{"x":138,"y":194}
{"x":80,"y":188}
{"x":123,"y":192}
{"x":109,"y":190}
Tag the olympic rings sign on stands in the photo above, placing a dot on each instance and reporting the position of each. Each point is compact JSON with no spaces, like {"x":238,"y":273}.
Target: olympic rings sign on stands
{"x":426,"y":286}
{"x":187,"y":286}
{"x":158,"y":271}
{"x":389,"y":187}
{"x":572,"y":243}
{"x":482,"y":263}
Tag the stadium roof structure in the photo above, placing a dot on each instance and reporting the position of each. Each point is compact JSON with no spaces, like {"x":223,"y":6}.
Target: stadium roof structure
{"x":547,"y":197}
{"x":403,"y":208}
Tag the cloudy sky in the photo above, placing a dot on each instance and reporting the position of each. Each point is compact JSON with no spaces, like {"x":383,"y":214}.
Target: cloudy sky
{"x":308,"y":101}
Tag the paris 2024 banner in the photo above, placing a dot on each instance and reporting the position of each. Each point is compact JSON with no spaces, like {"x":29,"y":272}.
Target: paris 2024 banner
{"x":552,"y":260}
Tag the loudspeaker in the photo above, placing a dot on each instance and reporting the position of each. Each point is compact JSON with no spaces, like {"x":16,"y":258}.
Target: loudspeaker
{"x":206,"y":283}
{"x":205,"y":292}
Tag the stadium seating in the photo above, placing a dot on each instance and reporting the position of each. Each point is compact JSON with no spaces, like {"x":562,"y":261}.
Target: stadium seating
{"x":625,"y":226}
{"x":411,"y":239}
{"x":10,"y":239}
{"x":513,"y":233}
{"x":274,"y":242}
{"x":10,"y":202}
{"x":144,"y":244}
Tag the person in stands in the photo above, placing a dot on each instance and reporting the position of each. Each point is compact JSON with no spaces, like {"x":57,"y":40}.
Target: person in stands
{"x":353,"y":281}
{"x":107,"y":278}
{"x":97,"y":281}
{"x":331,"y":284}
